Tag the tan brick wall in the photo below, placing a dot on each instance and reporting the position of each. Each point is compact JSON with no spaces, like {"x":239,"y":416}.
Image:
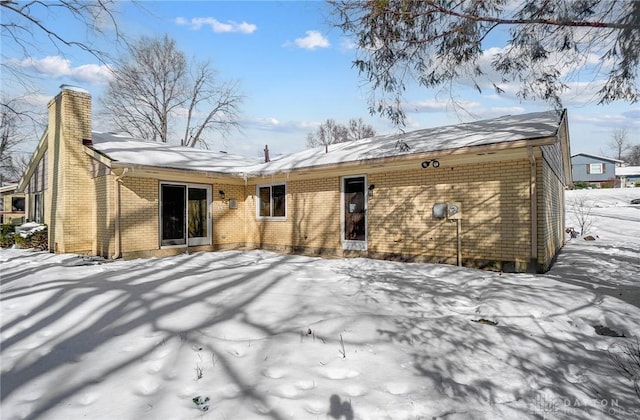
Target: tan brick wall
{"x":228,"y":224}
{"x":550,"y":209}
{"x":495,"y":222}
{"x":105,"y":215}
{"x":139,"y":214}
{"x":495,"y":226}
{"x":312,"y":222}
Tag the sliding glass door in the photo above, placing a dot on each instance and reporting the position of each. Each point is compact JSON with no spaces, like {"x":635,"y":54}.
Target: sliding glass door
{"x":184,"y":214}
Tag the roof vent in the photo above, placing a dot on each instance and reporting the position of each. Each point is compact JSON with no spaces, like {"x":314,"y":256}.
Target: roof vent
{"x":266,"y":153}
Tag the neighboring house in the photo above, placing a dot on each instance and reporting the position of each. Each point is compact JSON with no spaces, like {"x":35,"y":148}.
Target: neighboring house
{"x":629,"y":175}
{"x":488,"y":193}
{"x":594,"y":169}
{"x":11,"y":205}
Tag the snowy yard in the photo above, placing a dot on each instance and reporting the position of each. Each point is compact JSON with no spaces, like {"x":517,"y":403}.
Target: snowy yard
{"x":259,"y":335}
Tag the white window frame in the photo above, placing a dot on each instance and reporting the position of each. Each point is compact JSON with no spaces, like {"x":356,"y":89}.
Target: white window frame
{"x":259,"y":203}
{"x":347,"y":244}
{"x":596,"y":168}
{"x":208,"y":240}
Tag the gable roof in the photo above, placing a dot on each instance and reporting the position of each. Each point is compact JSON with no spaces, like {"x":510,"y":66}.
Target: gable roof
{"x":509,"y":130}
{"x":608,"y":159}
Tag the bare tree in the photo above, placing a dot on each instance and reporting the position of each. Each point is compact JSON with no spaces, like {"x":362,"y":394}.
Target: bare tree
{"x":14,"y":122}
{"x":22,"y":19}
{"x":619,"y":143}
{"x":22,"y":24}
{"x":331,"y":132}
{"x":438,"y":42}
{"x":633,"y":157}
{"x":154,"y":84}
{"x":222,"y":101}
{"x":359,"y":130}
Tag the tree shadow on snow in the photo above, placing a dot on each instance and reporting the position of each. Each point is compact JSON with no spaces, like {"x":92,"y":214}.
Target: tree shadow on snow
{"x":607,"y":270}
{"x":144,"y":298}
{"x":538,"y":357}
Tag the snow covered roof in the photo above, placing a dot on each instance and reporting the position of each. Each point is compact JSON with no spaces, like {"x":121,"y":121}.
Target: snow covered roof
{"x":608,"y":159}
{"x":628,"y":171}
{"x":127,"y":150}
{"x":506,"y":129}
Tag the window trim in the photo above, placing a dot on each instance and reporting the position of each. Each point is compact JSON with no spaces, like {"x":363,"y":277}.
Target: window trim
{"x":347,"y":244}
{"x":591,"y":166}
{"x":206,"y":240}
{"x":258,"y":201}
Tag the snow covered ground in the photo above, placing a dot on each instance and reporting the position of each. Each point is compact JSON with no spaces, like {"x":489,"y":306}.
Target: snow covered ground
{"x":258,"y":335}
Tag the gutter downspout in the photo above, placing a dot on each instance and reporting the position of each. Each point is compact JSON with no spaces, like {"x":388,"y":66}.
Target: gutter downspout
{"x":533,"y":199}
{"x":116,"y":223}
{"x":458,"y":234}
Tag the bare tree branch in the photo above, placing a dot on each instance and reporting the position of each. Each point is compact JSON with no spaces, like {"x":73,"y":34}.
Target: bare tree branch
{"x":619,"y":143}
{"x":153,"y":86}
{"x":435,"y":42}
{"x":330,"y":132}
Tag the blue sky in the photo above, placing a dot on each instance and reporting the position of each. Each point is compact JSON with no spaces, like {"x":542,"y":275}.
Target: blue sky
{"x":295,"y":71}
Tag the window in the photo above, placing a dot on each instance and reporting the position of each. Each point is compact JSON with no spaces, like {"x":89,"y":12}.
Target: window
{"x":595,"y":168}
{"x":184,"y":214}
{"x":37,"y":186}
{"x":272,"y":201}
{"x":17,"y":203}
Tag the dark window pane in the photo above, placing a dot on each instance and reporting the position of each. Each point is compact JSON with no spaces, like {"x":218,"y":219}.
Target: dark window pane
{"x":265,"y":201}
{"x":279,"y":202}
{"x":173,"y":197}
{"x":197,"y":212}
{"x":17,"y":203}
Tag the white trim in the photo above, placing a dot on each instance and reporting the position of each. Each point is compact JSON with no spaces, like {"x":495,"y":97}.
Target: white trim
{"x":286,"y":201}
{"x":188,"y":241}
{"x":205,"y":240}
{"x":350,"y":244}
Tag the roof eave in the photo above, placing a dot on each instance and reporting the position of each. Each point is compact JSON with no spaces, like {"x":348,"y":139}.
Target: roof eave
{"x":42,"y":147}
{"x":150,"y":170}
{"x":487,"y":148}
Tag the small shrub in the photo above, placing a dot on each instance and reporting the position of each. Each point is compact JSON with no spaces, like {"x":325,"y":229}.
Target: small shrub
{"x":37,"y":240}
{"x":626,"y":359}
{"x":580,"y":185}
{"x":581,"y":208}
{"x":7,"y":236}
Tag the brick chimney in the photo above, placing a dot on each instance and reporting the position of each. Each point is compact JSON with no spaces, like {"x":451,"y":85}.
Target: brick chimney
{"x":70,"y":202}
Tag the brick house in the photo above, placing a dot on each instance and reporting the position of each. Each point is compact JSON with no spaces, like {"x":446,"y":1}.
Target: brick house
{"x":489,"y":193}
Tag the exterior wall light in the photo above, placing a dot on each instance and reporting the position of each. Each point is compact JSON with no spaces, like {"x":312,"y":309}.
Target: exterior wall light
{"x":434,"y":163}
